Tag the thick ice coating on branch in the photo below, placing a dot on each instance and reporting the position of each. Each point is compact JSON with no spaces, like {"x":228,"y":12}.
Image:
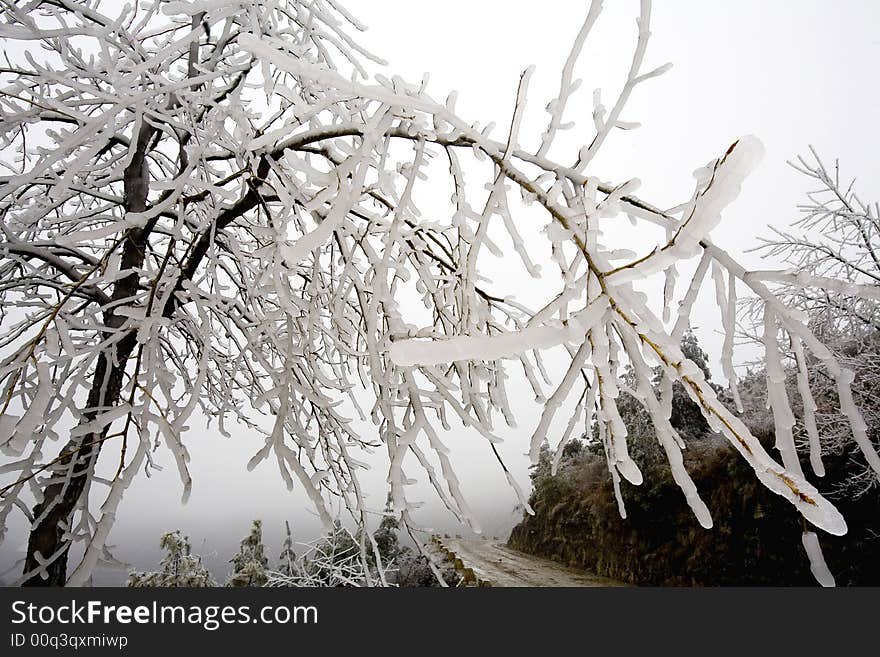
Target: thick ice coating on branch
{"x":410,"y":352}
{"x":718,"y":186}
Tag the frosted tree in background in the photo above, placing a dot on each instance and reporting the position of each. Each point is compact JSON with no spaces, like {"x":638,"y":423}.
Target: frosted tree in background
{"x":833,"y":251}
{"x":250,"y":562}
{"x":287,"y":558}
{"x":179,"y":567}
{"x":213,"y":206}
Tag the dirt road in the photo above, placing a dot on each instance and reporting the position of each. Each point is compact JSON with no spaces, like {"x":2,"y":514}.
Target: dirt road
{"x":492,"y":563}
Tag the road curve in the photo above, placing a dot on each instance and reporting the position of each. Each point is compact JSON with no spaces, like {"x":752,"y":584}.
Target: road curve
{"x":492,"y":563}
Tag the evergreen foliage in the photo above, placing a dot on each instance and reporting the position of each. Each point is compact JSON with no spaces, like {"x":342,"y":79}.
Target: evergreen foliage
{"x":178,"y":568}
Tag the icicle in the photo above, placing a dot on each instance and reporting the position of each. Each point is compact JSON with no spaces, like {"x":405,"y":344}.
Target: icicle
{"x":569,"y":428}
{"x":608,"y":394}
{"x":817,"y":560}
{"x":553,"y":404}
{"x":726,"y":300}
{"x":666,"y":434}
{"x":809,"y":406}
{"x":615,"y":476}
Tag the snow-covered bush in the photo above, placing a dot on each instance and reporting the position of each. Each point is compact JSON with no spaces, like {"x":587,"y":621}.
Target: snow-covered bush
{"x":332,"y":561}
{"x":250,"y":563}
{"x":178,"y":568}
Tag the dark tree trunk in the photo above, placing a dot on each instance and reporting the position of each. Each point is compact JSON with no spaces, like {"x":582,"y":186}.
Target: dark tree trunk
{"x":48,"y":536}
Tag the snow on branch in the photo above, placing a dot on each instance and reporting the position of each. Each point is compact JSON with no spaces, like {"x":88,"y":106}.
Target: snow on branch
{"x":407,"y":353}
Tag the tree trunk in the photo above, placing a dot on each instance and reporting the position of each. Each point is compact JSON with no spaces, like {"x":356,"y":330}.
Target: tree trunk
{"x":60,"y":498}
{"x":48,"y":536}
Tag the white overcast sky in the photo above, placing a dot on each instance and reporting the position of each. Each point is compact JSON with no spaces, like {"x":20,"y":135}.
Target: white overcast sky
{"x":791,"y":72}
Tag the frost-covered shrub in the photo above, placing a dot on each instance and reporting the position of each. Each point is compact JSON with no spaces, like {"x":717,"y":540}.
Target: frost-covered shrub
{"x":250,"y":563}
{"x":178,"y":568}
{"x":334,"y":560}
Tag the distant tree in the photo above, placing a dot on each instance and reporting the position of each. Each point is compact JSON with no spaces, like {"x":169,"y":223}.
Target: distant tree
{"x":386,"y":536}
{"x":287,"y":561}
{"x":250,"y":563}
{"x":573,"y":449}
{"x":178,"y":568}
{"x":547,"y":484}
{"x":833,"y":254}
